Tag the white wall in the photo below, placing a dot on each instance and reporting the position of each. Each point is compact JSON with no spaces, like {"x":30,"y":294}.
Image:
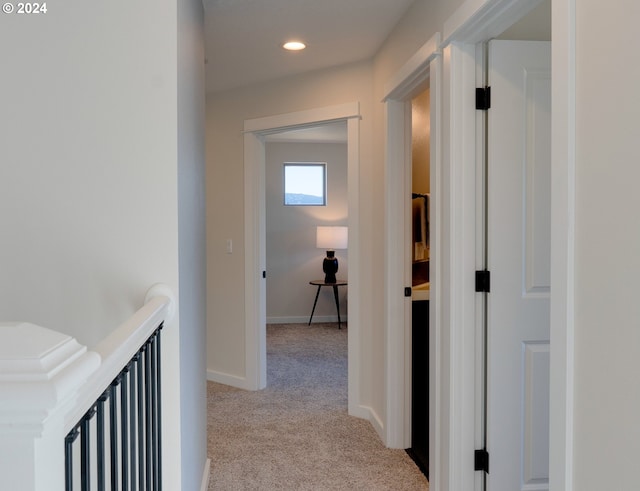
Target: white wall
{"x":226,"y":112}
{"x":423,"y":19}
{"x":420,"y":143}
{"x":88,"y":180}
{"x":607,"y":395}
{"x":292,"y":257}
{"x":607,"y":311}
{"x":191,"y":242}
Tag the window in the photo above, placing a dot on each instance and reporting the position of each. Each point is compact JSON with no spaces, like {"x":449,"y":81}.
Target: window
{"x":305,"y":184}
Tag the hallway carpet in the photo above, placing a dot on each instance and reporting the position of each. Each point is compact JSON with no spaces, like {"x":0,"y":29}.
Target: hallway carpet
{"x":296,"y":434}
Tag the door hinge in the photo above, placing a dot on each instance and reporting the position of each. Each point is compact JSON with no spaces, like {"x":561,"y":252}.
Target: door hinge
{"x":483,"y":281}
{"x":407,"y":291}
{"x":481,"y":460}
{"x":264,"y":274}
{"x":483,"y":98}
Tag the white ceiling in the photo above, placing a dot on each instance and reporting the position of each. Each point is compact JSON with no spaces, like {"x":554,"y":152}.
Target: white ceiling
{"x":243,"y":38}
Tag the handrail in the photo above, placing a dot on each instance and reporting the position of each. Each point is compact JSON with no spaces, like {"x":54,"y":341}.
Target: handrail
{"x":49,"y":383}
{"x":116,"y":350}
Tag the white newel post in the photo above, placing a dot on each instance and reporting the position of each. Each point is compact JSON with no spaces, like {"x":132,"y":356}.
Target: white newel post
{"x":40,"y":373}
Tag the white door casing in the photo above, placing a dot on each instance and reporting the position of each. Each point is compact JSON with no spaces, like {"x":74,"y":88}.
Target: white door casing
{"x":420,"y":71}
{"x":255,"y":257}
{"x":476,"y":21}
{"x":519,"y":245}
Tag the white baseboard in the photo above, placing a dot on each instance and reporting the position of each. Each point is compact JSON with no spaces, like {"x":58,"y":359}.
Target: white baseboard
{"x":226,"y":379}
{"x":366,"y":412}
{"x":205,"y":475}
{"x":378,"y":425}
{"x":305,"y":320}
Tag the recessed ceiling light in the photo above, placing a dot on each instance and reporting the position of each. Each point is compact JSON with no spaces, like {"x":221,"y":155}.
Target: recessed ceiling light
{"x":294,"y":45}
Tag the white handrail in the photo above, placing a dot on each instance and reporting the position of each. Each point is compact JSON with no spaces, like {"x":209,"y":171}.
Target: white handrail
{"x":48,"y":382}
{"x":117,"y":349}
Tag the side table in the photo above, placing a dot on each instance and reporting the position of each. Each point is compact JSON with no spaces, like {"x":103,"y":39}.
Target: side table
{"x":320,"y":284}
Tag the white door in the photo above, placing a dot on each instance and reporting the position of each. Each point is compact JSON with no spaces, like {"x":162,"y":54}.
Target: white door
{"x":518,"y":257}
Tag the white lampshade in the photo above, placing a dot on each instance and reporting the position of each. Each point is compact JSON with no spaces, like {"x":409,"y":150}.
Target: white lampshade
{"x":332,"y":238}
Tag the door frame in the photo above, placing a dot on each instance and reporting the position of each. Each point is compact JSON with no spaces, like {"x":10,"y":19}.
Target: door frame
{"x":421,"y":69}
{"x":451,"y":468}
{"x":255,"y":131}
{"x":477,"y":21}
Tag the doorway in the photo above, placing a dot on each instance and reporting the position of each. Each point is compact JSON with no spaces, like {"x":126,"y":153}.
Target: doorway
{"x":421,"y":72}
{"x":420,"y":253}
{"x":455,"y":394}
{"x":256,"y":131}
{"x":463,"y":406}
{"x":306,"y":187}
{"x":516,"y":189}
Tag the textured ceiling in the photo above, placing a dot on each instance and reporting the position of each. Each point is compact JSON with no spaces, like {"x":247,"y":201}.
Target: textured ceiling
{"x":243,"y":37}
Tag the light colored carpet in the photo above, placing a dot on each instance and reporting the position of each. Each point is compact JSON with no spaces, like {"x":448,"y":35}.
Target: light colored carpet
{"x":296,"y":434}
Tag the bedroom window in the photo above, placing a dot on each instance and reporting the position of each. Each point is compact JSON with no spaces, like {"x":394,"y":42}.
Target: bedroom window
{"x":305,"y":184}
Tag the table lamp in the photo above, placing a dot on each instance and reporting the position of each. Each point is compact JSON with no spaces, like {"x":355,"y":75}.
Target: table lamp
{"x":331,"y":238}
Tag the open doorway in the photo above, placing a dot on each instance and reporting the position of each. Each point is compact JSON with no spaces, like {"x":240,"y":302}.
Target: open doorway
{"x":450,"y":71}
{"x":465,"y":351}
{"x":420,"y":254}
{"x":516,"y":181}
{"x":418,"y":78}
{"x":312,"y":162}
{"x":256,"y":132}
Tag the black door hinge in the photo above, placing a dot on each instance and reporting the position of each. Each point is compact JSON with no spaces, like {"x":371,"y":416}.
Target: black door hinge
{"x":407,"y":291}
{"x":264,"y":274}
{"x":483,"y":98}
{"x":483,"y":281}
{"x":481,"y":460}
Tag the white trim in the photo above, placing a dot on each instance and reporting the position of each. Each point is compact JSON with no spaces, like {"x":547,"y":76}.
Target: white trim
{"x":476,"y":21}
{"x":480,"y":20}
{"x":414,"y":72}
{"x":353,"y":255}
{"x":458,"y":347}
{"x":255,"y":262}
{"x":228,"y":379}
{"x":398,"y":320}
{"x":368,"y":413}
{"x":411,"y":78}
{"x":204,"y":486}
{"x":435,"y":275}
{"x":310,"y":117}
{"x":563,"y":177}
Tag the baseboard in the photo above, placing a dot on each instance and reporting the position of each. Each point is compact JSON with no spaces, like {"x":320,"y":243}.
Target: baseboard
{"x":226,"y":379}
{"x":205,"y":475}
{"x":366,"y":412}
{"x":305,"y":319}
{"x":378,"y":425}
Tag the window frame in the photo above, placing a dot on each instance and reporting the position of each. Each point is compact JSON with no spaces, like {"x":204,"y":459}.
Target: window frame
{"x":322,"y":165}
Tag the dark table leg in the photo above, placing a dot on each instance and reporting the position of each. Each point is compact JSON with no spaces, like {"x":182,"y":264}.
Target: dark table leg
{"x":314,"y":304}
{"x":335,"y":295}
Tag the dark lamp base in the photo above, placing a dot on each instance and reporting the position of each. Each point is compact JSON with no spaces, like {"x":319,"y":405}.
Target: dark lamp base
{"x":330,"y":267}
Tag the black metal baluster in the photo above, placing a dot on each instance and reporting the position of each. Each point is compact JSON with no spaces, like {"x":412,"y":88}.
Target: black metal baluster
{"x":141,"y":449}
{"x":85,"y":450}
{"x":68,"y":458}
{"x":159,"y":405}
{"x":148,"y":418}
{"x":113,"y":434}
{"x":124,"y":429}
{"x":154,"y":409}
{"x":139,"y":434}
{"x":100,"y":441}
{"x":132,"y":419}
